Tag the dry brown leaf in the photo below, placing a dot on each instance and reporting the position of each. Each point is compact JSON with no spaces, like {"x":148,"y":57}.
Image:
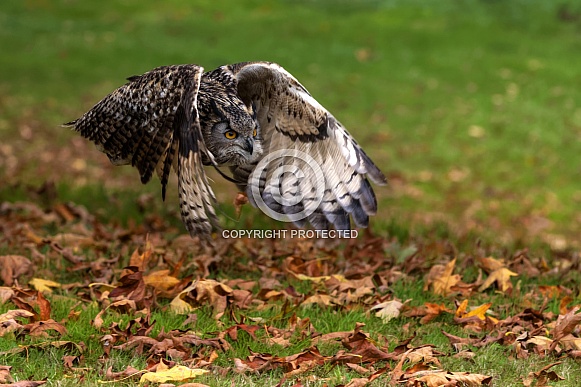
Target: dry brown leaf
{"x":15,"y":313}
{"x":468,"y":379}
{"x":358,"y":382}
{"x":319,"y":299}
{"x":12,"y":267}
{"x":5,"y":376}
{"x":203,"y":292}
{"x":40,"y":328}
{"x":388,"y":310}
{"x":132,"y":286}
{"x":490,"y":264}
{"x":141,"y":261}
{"x":542,"y":376}
{"x":26,"y":383}
{"x":5,"y":294}
{"x":566,"y":323}
{"x":44,"y":306}
{"x":125,"y":374}
{"x":76,"y":241}
{"x":240,"y":200}
{"x":424,"y":354}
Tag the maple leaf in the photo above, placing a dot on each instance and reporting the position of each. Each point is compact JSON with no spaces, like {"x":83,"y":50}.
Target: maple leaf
{"x":388,"y":310}
{"x":177,"y":373}
{"x":502,"y":278}
{"x":542,"y":376}
{"x":132,"y":285}
{"x":203,"y":292}
{"x":564,"y":325}
{"x":441,"y":279}
{"x":141,"y":261}
{"x":359,"y":344}
{"x":40,"y":328}
{"x":43,"y":285}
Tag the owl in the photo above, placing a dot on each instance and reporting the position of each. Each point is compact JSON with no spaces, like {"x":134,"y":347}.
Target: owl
{"x":256,"y":125}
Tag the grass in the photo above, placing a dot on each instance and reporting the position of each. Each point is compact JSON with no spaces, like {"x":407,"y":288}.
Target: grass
{"x":471,"y":108}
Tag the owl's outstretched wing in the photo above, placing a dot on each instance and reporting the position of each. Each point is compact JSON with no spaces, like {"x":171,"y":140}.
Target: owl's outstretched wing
{"x":312,"y":167}
{"x":152,"y":123}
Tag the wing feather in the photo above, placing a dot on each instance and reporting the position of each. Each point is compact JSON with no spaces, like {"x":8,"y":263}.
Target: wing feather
{"x":291,"y":119}
{"x":152,"y":123}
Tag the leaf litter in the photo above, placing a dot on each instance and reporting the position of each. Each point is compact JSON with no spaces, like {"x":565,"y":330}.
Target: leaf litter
{"x":235,"y":280}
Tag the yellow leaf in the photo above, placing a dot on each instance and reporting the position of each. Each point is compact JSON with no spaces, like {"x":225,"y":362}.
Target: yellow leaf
{"x":441,"y":279}
{"x":161,"y":280}
{"x":176,"y":373}
{"x":461,"y":309}
{"x":479,"y":312}
{"x":179,"y":306}
{"x":501,"y":277}
{"x":43,"y":285}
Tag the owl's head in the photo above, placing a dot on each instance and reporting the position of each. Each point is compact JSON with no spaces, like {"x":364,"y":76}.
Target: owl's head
{"x":230,"y":128}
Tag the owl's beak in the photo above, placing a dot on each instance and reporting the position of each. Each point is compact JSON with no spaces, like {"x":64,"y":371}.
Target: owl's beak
{"x":249,"y":145}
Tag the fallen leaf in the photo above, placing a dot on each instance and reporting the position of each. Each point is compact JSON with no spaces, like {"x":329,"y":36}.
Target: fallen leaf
{"x":502,"y":279}
{"x":566,"y":323}
{"x":490,"y":264}
{"x":5,"y":376}
{"x":12,"y":267}
{"x":5,"y":294}
{"x":440,"y":278}
{"x":43,"y":285}
{"x":44,"y":306}
{"x":161,"y":280}
{"x":121,"y":375}
{"x":177,"y":373}
{"x":240,"y":200}
{"x":542,"y":376}
{"x":388,"y":310}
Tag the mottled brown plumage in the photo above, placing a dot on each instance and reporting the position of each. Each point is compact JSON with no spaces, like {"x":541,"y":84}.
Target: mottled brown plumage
{"x":253,"y":117}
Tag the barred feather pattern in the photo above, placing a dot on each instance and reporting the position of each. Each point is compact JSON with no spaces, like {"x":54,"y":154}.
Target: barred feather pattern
{"x":290,"y":118}
{"x":148,"y":123}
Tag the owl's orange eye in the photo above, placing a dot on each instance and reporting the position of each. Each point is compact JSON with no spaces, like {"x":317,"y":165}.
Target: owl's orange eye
{"x":230,"y":135}
{"x":254,"y":133}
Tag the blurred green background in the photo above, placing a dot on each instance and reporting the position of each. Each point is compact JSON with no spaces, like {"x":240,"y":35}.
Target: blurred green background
{"x":471,"y":108}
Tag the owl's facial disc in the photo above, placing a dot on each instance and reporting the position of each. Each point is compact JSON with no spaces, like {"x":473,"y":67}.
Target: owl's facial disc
{"x":235,"y":148}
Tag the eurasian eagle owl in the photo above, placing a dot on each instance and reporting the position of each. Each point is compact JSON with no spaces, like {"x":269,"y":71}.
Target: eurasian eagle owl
{"x":293,"y":159}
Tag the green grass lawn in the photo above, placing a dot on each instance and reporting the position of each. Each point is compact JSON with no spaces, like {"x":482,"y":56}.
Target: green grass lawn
{"x":472,"y":109}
